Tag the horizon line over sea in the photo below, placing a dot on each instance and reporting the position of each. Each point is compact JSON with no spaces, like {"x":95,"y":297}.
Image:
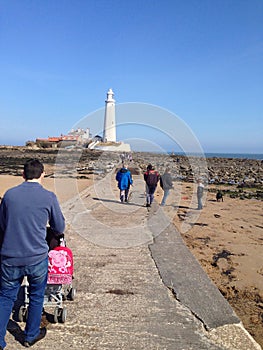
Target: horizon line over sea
{"x":256,"y":156}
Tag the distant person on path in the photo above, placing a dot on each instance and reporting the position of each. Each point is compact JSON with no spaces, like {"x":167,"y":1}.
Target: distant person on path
{"x":166,"y":184}
{"x":130,"y":157}
{"x":151,"y":177}
{"x":200,"y":192}
{"x":124,"y":179}
{"x":25,"y":212}
{"x":122,"y":156}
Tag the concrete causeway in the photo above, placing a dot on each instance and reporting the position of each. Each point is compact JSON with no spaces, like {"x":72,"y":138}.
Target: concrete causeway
{"x":138,"y":286}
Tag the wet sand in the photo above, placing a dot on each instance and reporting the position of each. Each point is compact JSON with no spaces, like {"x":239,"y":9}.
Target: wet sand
{"x":227,"y":240}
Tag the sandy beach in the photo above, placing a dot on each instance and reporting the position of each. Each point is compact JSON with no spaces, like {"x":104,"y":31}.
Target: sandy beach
{"x":7,"y":181}
{"x":227,"y":240}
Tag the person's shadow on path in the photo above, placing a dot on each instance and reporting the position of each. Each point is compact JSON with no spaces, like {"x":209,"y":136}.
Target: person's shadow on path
{"x":115,"y":201}
{"x":13,"y":326}
{"x":14,"y":329}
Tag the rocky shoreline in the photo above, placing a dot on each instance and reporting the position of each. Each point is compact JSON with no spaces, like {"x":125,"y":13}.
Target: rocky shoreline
{"x":238,"y":178}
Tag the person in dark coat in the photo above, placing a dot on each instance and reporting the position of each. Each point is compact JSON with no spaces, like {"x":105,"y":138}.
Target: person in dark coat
{"x":166,"y":184}
{"x":124,"y":179}
{"x":151,"y":177}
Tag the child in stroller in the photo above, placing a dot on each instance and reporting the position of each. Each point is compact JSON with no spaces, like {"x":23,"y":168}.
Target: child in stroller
{"x":60,"y":275}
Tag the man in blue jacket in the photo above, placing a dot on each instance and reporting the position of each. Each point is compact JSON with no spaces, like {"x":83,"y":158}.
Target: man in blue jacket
{"x":25,"y":212}
{"x":124,"y":179}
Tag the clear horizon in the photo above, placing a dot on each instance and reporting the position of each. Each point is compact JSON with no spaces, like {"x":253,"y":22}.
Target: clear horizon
{"x":207,"y":154}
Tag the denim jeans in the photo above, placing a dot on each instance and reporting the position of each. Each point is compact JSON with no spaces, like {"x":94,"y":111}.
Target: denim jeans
{"x":165,"y":195}
{"x":11,"y":279}
{"x":124,"y":194}
{"x":199,"y":201}
{"x":150,"y":194}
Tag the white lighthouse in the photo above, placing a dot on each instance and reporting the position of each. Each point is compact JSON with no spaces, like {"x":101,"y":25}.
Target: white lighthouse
{"x":109,"y":131}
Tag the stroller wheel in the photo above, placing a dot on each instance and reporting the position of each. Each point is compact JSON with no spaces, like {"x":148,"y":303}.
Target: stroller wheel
{"x":60,"y":314}
{"x":56,"y":314}
{"x":63,"y":314}
{"x":72,"y":294}
{"x":22,"y":314}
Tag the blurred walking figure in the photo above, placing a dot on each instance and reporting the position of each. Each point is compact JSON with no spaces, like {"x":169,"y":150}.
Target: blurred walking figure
{"x":130,"y":157}
{"x":122,"y":156}
{"x":200,"y":192}
{"x":124,"y":179}
{"x":166,"y":184}
{"x":151,"y":177}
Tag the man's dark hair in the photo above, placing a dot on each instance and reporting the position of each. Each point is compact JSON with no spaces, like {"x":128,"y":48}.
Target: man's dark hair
{"x":150,"y":167}
{"x":33,"y":169}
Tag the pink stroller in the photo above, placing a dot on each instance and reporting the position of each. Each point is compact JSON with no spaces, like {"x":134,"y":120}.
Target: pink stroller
{"x":59,"y":284}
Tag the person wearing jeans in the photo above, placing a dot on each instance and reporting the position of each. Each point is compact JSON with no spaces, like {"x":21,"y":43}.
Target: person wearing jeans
{"x":24,"y":213}
{"x":11,"y":279}
{"x":124,"y":179}
{"x":151,"y":178}
{"x":166,"y":184}
{"x":200,"y":192}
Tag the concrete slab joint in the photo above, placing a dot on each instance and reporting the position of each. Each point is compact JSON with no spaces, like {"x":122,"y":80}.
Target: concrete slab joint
{"x":182,"y":274}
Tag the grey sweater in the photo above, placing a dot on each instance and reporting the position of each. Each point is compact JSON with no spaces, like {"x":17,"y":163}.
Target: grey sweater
{"x":166,"y":181}
{"x":25,"y":212}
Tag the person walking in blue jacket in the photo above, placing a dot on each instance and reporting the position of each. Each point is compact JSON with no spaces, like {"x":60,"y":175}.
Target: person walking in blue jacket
{"x":25,"y":212}
{"x":124,"y":179}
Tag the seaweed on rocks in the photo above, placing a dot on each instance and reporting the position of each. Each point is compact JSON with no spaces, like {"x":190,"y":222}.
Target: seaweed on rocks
{"x":224,"y":254}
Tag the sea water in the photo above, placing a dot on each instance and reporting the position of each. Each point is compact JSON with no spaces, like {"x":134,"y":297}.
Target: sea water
{"x":257,"y":156}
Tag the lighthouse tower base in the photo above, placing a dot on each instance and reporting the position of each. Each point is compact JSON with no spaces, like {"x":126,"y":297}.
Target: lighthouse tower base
{"x":110,"y":146}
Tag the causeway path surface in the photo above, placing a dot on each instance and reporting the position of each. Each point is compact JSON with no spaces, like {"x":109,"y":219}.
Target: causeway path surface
{"x":138,"y":286}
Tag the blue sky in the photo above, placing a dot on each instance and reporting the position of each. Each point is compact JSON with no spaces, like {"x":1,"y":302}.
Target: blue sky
{"x":199,"y":59}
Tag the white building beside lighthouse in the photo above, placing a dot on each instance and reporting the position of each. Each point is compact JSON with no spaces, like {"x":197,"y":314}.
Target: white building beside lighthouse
{"x":109,"y":131}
